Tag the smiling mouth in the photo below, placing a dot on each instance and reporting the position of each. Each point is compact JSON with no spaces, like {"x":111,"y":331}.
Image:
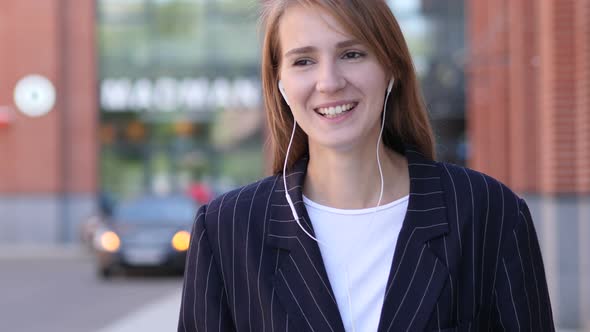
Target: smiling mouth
{"x":335,"y":111}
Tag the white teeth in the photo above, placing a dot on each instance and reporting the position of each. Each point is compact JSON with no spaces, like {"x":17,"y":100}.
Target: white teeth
{"x":331,"y":111}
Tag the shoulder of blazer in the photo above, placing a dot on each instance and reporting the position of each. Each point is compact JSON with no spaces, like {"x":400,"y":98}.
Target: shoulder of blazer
{"x":488,"y":198}
{"x":248,"y":200}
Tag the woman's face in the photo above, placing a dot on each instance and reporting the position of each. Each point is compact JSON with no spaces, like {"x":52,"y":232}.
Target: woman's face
{"x":334,"y":84}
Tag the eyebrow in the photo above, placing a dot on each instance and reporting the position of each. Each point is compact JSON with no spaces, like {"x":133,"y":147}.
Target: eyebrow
{"x":309,"y":49}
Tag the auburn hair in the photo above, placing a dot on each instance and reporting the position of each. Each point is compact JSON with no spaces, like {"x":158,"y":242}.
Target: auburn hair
{"x":373,"y":24}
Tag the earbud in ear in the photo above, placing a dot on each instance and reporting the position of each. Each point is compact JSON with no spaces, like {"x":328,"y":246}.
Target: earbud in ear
{"x":390,"y":86}
{"x":282,"y":90}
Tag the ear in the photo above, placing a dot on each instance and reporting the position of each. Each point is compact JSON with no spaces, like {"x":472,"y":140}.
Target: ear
{"x":282,"y":90}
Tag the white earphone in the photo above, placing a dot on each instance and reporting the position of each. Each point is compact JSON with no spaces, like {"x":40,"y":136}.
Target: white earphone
{"x":287,"y":196}
{"x":282,"y":90}
{"x":390,"y":85}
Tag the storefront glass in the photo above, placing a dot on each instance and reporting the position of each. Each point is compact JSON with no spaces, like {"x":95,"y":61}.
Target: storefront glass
{"x":180,"y":96}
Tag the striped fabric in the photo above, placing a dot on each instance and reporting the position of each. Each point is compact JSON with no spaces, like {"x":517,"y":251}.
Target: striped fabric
{"x":467,"y":259}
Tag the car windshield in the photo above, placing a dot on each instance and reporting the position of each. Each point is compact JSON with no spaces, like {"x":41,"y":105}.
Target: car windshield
{"x":155,"y":209}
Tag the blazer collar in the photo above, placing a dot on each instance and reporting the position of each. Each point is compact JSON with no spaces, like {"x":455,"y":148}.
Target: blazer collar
{"x":417,"y":273}
{"x":426,"y":215}
{"x":282,"y":227}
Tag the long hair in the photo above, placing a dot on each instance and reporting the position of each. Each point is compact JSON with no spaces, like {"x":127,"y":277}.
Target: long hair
{"x":373,"y":23}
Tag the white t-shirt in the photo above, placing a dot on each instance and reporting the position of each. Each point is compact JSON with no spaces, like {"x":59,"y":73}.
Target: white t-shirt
{"x":362,"y":242}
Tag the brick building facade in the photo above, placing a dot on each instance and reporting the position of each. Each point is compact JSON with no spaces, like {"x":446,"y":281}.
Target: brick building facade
{"x":528,"y":93}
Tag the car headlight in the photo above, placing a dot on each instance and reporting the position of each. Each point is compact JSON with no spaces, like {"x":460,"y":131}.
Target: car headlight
{"x":181,"y":240}
{"x":108,"y":241}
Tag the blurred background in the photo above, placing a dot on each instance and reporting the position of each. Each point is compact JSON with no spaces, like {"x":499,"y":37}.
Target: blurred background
{"x":119,"y":118}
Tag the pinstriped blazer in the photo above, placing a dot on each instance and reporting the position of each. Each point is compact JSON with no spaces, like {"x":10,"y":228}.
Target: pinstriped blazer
{"x":467,"y":259}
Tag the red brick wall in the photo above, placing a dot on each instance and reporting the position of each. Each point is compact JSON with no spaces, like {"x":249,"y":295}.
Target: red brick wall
{"x":523,"y":63}
{"x":476,"y":95}
{"x":487,"y":93}
{"x":528,"y":93}
{"x":558,"y":96}
{"x":29,"y":149}
{"x":55,"y":152}
{"x":582,"y":29}
{"x":80,"y":86}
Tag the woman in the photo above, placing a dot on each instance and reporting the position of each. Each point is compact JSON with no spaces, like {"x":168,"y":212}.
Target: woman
{"x":358,"y":229}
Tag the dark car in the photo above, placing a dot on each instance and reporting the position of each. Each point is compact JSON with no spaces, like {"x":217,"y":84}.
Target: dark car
{"x":150,"y":231}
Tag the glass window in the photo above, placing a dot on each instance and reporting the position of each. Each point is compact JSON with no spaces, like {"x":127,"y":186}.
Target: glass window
{"x":180,"y":96}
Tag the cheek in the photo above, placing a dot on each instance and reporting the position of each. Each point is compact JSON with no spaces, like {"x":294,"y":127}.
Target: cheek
{"x":377,"y":88}
{"x":299,"y":90}
{"x":371,"y":79}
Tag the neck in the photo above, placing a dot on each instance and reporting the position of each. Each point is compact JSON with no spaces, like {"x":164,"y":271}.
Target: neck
{"x":351,"y":180}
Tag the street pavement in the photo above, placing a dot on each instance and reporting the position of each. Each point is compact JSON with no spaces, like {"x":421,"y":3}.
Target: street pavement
{"x":57,"y":290}
{"x":161,"y":315}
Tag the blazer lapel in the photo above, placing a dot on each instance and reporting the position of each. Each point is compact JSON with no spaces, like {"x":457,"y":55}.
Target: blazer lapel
{"x":300,"y":280}
{"x":418,"y":272}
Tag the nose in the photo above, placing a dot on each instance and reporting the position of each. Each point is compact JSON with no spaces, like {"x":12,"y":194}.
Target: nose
{"x":329,"y":79}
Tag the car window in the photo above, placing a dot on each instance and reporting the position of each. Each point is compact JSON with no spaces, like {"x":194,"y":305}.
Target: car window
{"x":174,"y":210}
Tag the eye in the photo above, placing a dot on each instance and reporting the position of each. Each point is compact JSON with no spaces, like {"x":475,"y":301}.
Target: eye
{"x":302,"y":62}
{"x":353,"y":55}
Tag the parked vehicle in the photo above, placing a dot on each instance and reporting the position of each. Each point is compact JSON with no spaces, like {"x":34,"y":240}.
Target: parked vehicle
{"x":150,"y":231}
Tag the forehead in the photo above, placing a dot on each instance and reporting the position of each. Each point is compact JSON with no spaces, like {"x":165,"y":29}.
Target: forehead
{"x":302,"y":26}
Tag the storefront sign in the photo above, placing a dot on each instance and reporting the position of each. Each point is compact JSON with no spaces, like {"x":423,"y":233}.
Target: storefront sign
{"x":168,"y":94}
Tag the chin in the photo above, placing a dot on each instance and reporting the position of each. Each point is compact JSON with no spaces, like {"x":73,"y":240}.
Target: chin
{"x":338,"y":145}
